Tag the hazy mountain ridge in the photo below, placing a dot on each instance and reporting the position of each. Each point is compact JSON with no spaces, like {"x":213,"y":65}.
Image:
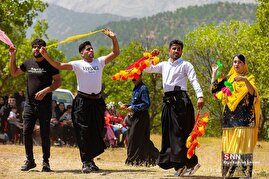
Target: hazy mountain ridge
{"x":133,"y":8}
{"x":161,"y":28}
{"x":63,"y":22}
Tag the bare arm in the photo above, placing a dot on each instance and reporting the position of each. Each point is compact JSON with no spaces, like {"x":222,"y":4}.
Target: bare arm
{"x":55,"y":84}
{"x":116,"y":50}
{"x":54,"y":63}
{"x":14,"y":70}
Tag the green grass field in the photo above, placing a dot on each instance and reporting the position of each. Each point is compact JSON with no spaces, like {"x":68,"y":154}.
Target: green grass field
{"x":65,"y":162}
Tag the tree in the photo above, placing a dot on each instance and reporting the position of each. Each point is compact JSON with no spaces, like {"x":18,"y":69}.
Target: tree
{"x":16,"y":17}
{"x":260,"y":48}
{"x":122,"y":90}
{"x":209,"y":43}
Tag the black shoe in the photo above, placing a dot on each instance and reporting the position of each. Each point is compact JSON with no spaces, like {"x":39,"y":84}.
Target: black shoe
{"x":46,"y":167}
{"x":86,"y":168}
{"x":29,"y":164}
{"x":93,"y":166}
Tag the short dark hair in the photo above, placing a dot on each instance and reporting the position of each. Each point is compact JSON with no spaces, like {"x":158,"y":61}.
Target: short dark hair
{"x":83,"y":45}
{"x":241,"y":57}
{"x":39,"y":42}
{"x":178,"y":42}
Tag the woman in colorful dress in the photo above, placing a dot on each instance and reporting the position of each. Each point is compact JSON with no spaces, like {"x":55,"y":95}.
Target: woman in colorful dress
{"x":240,"y":119}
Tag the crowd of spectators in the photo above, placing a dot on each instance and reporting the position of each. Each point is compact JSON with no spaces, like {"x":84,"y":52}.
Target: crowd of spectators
{"x":116,"y":129}
{"x":11,"y":125}
{"x":62,"y":133}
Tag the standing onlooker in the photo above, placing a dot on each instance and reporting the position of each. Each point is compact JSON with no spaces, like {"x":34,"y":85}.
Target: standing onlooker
{"x":177,"y":112}
{"x":42,"y":79}
{"x":89,"y":106}
{"x":140,"y":149}
{"x":240,"y":118}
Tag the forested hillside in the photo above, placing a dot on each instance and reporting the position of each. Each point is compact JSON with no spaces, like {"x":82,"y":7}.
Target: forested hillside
{"x":161,"y":28}
{"x":63,"y":22}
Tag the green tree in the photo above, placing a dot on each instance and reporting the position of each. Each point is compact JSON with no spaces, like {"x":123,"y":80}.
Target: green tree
{"x":122,"y":90}
{"x":260,"y":50}
{"x":210,"y":43}
{"x":16,"y":17}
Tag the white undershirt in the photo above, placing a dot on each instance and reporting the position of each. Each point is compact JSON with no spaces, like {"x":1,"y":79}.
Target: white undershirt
{"x":89,"y":75}
{"x":176,"y":74}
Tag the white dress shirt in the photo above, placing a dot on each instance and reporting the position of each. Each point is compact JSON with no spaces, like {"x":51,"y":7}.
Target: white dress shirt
{"x":176,"y":73}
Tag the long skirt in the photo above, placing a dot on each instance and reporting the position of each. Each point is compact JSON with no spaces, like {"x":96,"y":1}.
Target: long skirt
{"x":89,"y":122}
{"x":237,"y":152}
{"x":177,"y":123}
{"x":140,"y":150}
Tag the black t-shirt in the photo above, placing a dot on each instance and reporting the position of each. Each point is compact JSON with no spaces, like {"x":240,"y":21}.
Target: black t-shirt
{"x":39,"y":76}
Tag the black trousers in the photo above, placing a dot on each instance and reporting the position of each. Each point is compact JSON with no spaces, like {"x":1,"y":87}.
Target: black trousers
{"x":177,"y":123}
{"x":31,"y":113}
{"x":88,"y":120}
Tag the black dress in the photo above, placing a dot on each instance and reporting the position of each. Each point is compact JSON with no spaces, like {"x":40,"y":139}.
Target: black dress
{"x":140,"y":151}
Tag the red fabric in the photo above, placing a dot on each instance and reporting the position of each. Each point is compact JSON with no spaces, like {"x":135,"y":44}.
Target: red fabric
{"x":135,"y":63}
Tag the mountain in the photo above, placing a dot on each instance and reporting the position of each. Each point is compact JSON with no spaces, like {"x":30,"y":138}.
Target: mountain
{"x":63,"y":22}
{"x":163,"y":27}
{"x":133,"y":8}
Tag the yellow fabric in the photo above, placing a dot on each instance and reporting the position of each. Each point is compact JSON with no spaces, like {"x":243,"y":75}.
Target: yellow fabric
{"x":75,"y":37}
{"x":238,"y":140}
{"x":240,"y":91}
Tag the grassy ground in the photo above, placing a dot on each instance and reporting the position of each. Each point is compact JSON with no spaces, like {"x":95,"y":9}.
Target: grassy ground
{"x":65,"y":162}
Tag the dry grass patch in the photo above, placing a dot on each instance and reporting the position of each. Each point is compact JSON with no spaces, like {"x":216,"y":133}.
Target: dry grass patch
{"x":65,"y":162}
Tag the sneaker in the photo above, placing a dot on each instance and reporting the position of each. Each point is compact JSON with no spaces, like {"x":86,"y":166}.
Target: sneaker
{"x":86,"y":168}
{"x":180,"y":171}
{"x":192,"y":170}
{"x":93,"y":166}
{"x":46,"y":167}
{"x":29,"y":164}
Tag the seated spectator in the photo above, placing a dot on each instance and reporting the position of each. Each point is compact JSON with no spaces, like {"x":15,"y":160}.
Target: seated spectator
{"x":4,"y":114}
{"x":15,"y":126}
{"x":68,"y":136}
{"x":55,"y":127}
{"x":2,"y":103}
{"x":60,"y":110}
{"x":116,"y":121}
{"x":110,"y":138}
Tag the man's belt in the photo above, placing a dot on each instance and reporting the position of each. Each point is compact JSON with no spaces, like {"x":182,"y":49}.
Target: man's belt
{"x":89,"y":96}
{"x":173,"y":96}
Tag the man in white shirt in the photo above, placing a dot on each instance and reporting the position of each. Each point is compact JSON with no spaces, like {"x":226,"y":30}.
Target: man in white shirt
{"x":177,"y":112}
{"x":88,"y":106}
